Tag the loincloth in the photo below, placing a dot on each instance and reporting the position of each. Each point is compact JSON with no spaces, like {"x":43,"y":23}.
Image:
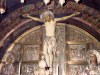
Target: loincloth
{"x":49,"y":44}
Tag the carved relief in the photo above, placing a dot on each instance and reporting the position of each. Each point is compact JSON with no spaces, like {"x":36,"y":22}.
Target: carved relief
{"x":30,"y":45}
{"x":33,"y":38}
{"x":17,"y":51}
{"x":60,"y":56}
{"x":77,"y":52}
{"x":31,"y":52}
{"x":75,"y":35}
{"x":28,"y":69}
{"x":16,"y":66}
{"x":60,"y":37}
{"x":76,"y":69}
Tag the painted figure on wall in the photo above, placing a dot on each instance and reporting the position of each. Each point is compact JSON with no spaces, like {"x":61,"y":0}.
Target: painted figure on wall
{"x":49,"y":47}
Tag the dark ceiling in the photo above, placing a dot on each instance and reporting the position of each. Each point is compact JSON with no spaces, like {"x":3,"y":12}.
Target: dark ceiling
{"x":14,"y":4}
{"x":92,"y":3}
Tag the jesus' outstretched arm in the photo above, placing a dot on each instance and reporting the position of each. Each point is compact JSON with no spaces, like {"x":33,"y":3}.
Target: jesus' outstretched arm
{"x":67,"y":17}
{"x":31,"y":17}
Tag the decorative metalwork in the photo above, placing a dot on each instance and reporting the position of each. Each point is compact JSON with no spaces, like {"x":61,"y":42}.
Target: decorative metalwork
{"x":32,"y":38}
{"x":76,"y":69}
{"x":75,"y":35}
{"x":16,"y":66}
{"x":28,"y":69}
{"x":8,"y":68}
{"x":77,"y":52}
{"x":60,"y":58}
{"x":31,"y":52}
{"x":60,"y":38}
{"x":16,"y":51}
{"x":28,"y":48}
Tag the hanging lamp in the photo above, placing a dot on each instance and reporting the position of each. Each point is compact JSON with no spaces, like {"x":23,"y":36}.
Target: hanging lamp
{"x":22,"y":1}
{"x":77,"y":1}
{"x":2,"y":6}
{"x":46,"y":1}
{"x":61,"y":2}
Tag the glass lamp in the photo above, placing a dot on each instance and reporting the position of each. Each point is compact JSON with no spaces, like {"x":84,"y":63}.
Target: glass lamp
{"x":22,"y":1}
{"x":46,"y":1}
{"x":77,"y":1}
{"x":61,"y":2}
{"x":2,"y":9}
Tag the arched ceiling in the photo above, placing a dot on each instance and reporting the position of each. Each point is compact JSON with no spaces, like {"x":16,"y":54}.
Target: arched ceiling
{"x":90,"y":13}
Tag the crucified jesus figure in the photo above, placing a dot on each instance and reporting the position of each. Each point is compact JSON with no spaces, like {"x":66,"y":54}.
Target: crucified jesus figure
{"x":49,"y":21}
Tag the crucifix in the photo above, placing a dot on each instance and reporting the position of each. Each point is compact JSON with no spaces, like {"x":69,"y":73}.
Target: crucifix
{"x":49,"y":44}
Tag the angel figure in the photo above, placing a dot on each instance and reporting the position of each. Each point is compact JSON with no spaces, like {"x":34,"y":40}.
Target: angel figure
{"x":49,"y":47}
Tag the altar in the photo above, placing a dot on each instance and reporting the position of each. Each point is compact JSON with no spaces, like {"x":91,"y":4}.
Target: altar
{"x":70,"y":58}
